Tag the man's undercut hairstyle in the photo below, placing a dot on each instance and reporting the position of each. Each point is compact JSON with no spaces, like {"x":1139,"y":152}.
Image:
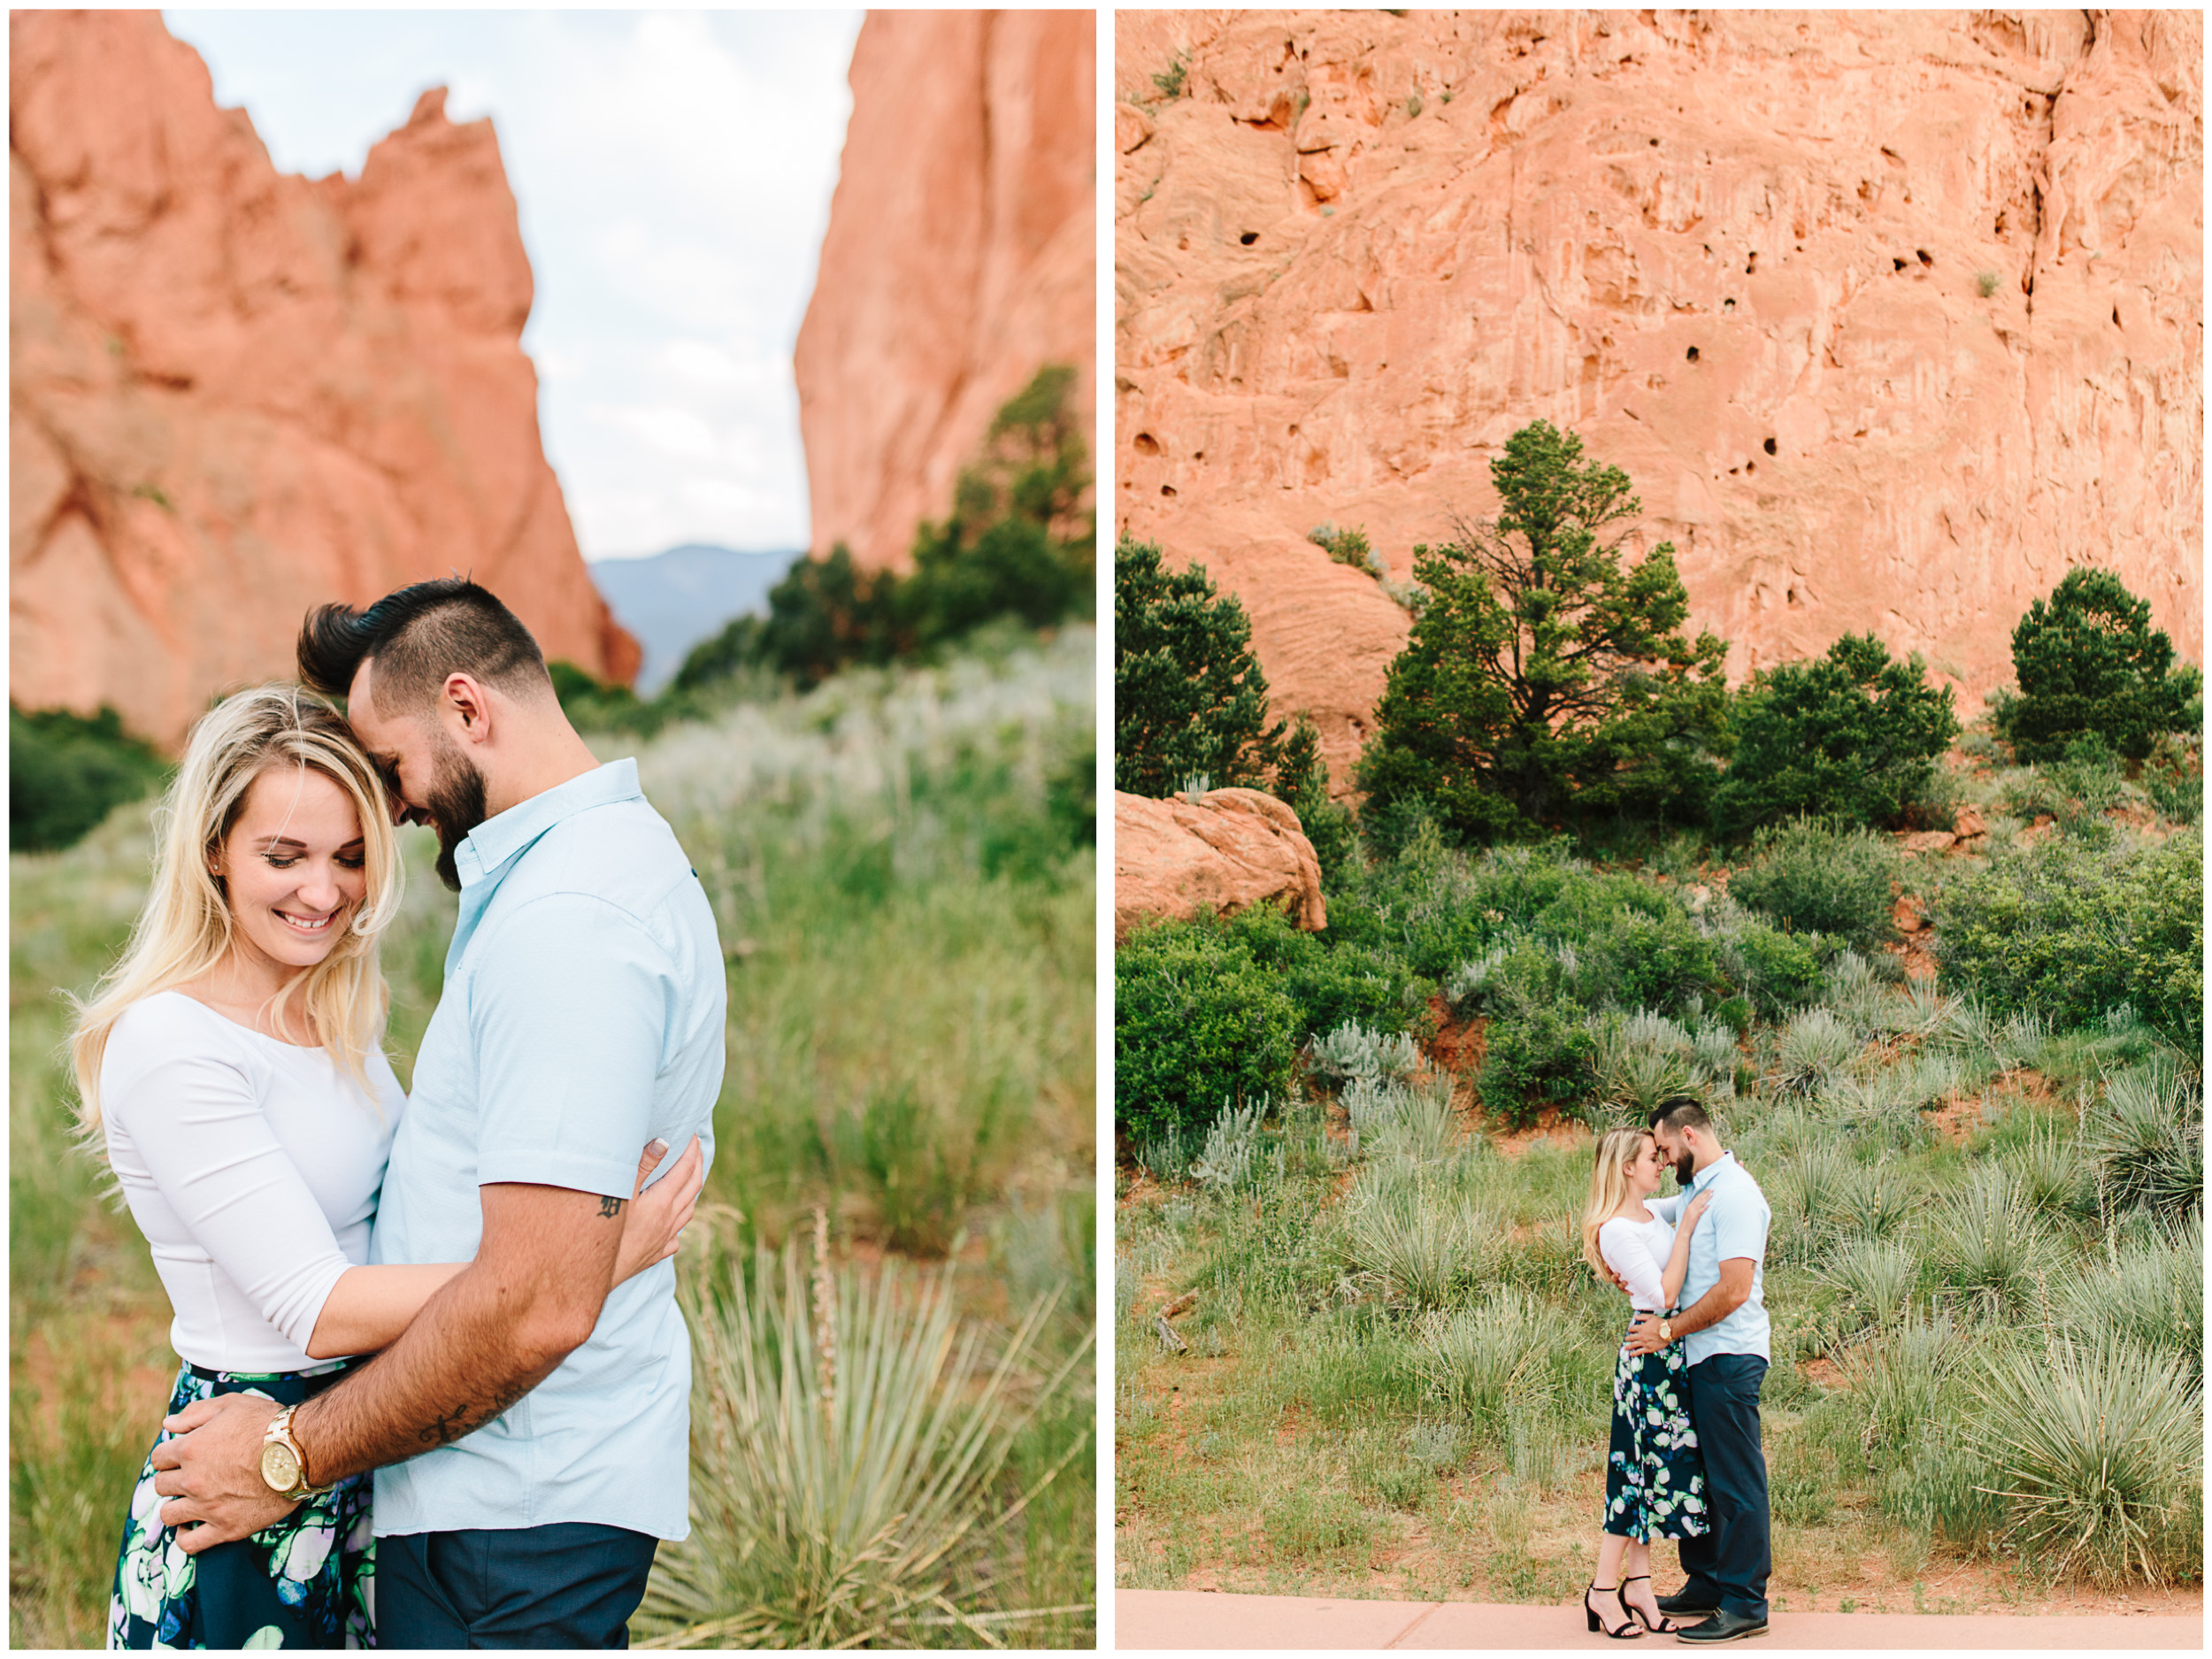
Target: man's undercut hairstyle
{"x":416,"y":637}
{"x":1678,"y":1114}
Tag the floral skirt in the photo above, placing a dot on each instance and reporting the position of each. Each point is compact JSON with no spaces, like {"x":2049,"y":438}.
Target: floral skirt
{"x":304,"y":1582}
{"x":1655,"y":1474}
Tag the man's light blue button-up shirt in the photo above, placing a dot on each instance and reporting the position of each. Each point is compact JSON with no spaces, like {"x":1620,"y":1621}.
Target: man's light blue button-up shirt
{"x":1735,"y":1224}
{"x":582,"y":1015}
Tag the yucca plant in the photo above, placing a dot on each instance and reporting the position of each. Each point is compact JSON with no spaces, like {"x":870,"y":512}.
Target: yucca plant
{"x":1478,"y":1361}
{"x":2149,"y":1290}
{"x":2147,"y":1139}
{"x":1813,"y":1044}
{"x":1899,"y":1380}
{"x":850,"y":1444}
{"x":1990,"y":1248}
{"x":2092,"y":1446}
{"x":1425,"y":1248}
{"x":1396,"y":1119}
{"x":1878,"y":1275}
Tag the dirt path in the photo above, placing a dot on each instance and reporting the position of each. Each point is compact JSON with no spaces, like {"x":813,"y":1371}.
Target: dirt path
{"x":1158,"y":1619}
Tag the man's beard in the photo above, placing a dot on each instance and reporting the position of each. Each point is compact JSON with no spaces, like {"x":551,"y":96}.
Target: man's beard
{"x":456,"y":807}
{"x":1684,"y":1166}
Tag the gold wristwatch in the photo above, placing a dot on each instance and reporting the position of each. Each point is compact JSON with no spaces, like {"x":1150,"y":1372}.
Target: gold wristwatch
{"x":284,"y":1464}
{"x":1666,"y":1333}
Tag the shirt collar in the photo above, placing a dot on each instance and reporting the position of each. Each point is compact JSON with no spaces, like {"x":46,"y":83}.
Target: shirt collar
{"x":1711,"y":1171}
{"x":500,"y":837}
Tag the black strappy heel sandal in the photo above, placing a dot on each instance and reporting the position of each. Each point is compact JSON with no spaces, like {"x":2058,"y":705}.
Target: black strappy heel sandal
{"x":1625,"y":1631}
{"x":1664,"y":1627}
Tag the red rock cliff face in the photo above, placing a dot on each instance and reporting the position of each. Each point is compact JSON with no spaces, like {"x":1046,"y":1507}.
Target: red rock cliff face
{"x":1741,"y":254}
{"x":235,"y":394}
{"x":961,"y":257}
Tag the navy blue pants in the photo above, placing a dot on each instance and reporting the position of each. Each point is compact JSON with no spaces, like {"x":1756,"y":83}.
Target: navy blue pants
{"x":569,"y":1585}
{"x":1730,"y":1564}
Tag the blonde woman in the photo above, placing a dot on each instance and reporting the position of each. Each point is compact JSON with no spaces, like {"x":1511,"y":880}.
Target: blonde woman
{"x":229,"y":1062}
{"x":1655,"y":1476}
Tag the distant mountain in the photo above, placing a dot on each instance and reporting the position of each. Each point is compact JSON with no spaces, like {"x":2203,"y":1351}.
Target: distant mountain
{"x":673,"y":599}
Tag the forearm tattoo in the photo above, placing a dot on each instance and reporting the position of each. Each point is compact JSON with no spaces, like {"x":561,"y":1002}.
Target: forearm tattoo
{"x":611,"y":1206}
{"x":471,"y":1416}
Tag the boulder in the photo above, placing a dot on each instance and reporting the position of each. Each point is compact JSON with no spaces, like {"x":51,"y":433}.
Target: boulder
{"x":1210,"y":855}
{"x":1740,"y":253}
{"x":961,"y":257}
{"x":235,"y":394}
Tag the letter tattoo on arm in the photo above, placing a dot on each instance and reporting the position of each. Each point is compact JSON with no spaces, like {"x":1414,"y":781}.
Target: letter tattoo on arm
{"x":611,"y":1206}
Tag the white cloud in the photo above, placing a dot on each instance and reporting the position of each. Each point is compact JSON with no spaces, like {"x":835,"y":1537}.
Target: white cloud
{"x":672,"y":170}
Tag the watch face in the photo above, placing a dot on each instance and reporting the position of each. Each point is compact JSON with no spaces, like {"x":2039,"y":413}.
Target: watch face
{"x":280,"y":1469}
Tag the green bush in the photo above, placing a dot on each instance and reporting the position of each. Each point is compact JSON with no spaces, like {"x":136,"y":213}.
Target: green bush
{"x":1772,"y":970}
{"x":2068,"y":929}
{"x":1854,"y":734}
{"x":1533,"y":1057}
{"x":1329,"y":983}
{"x":1189,"y":698}
{"x":1197,"y":1023}
{"x":66,"y":773}
{"x":2088,"y":662}
{"x":1812,"y":877}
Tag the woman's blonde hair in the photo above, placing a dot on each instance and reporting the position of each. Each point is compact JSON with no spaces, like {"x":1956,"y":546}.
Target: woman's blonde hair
{"x":1617,"y":1148}
{"x":187,"y":927}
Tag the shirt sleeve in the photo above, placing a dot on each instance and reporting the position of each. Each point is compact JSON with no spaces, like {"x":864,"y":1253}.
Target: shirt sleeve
{"x":569,"y":1027}
{"x":1668,"y":1209}
{"x":1737,"y":1215}
{"x":1628,"y":1253}
{"x":217,"y":1161}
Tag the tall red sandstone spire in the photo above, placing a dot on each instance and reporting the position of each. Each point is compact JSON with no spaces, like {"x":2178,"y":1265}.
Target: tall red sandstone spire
{"x":961,"y":257}
{"x":236,"y":394}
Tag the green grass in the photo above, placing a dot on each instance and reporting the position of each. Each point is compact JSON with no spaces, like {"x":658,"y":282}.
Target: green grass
{"x":903,"y":889}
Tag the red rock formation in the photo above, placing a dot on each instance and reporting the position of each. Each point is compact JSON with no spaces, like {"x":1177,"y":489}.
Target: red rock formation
{"x":1741,"y":253}
{"x":1226,"y":849}
{"x":961,"y":257}
{"x":236,"y":394}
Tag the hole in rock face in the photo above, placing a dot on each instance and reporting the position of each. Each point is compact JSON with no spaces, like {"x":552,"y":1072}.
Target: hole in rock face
{"x":1249,"y":237}
{"x":1770,"y":445}
{"x":1750,"y":466}
{"x":1728,"y":306}
{"x":1145,"y":443}
{"x":1655,"y":143}
{"x":1693,"y":354}
{"x":1923,"y":256}
{"x":2115,"y":317}
{"x":1751,"y":266}
{"x":1897,"y":264}
{"x":1168,"y":490}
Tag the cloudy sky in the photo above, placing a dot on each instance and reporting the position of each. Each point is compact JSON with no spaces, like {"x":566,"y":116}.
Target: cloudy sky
{"x":674,"y":172}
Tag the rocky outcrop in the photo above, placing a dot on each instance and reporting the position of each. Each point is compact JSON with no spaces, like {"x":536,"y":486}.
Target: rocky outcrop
{"x":236,"y":394}
{"x":961,"y":257}
{"x":1209,"y":855}
{"x":1742,"y":254}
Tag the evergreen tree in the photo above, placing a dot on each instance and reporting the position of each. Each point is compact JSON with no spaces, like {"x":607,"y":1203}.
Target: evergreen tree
{"x":1854,"y":734}
{"x":2089,"y":664}
{"x":1189,"y":698}
{"x":1545,"y":680}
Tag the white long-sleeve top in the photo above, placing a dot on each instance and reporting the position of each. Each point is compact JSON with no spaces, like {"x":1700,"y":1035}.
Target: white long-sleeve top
{"x":1638,"y":1251}
{"x":251,"y":1166}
